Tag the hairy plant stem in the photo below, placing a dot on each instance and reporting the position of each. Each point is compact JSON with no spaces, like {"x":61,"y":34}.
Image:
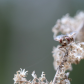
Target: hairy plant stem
{"x":60,"y":68}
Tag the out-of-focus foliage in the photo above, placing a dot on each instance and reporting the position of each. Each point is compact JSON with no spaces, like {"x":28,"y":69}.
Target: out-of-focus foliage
{"x":26,"y":40}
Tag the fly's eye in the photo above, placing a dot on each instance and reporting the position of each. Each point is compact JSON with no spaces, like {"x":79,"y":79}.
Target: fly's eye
{"x":60,"y":40}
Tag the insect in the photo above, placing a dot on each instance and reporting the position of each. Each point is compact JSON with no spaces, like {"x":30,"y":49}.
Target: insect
{"x":65,"y":39}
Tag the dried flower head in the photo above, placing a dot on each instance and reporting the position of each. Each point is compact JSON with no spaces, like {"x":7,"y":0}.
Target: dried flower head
{"x":68,"y":24}
{"x":19,"y":77}
{"x":42,"y":78}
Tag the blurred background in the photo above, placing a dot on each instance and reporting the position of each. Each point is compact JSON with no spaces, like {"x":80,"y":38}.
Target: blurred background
{"x":26,"y":39}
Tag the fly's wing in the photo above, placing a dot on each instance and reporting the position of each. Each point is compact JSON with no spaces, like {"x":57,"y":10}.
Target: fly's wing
{"x":59,"y":37}
{"x":72,"y":34}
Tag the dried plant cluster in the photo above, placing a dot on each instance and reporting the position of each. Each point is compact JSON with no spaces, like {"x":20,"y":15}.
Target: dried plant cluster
{"x":20,"y":78}
{"x":69,"y":24}
{"x":64,"y":57}
{"x":70,"y":51}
